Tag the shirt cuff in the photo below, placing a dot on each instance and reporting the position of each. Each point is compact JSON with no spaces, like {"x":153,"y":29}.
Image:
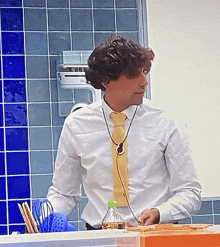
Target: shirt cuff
{"x":165,"y":214}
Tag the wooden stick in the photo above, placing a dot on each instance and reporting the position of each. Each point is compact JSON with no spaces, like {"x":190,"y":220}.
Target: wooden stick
{"x":29,"y":228}
{"x":30,"y":217}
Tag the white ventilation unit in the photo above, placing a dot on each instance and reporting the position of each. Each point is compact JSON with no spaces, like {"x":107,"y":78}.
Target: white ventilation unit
{"x":71,"y":75}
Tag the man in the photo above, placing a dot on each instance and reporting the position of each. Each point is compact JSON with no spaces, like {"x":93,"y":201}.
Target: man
{"x":149,"y":172}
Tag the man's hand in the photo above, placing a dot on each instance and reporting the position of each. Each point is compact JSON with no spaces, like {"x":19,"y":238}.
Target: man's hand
{"x":149,"y":217}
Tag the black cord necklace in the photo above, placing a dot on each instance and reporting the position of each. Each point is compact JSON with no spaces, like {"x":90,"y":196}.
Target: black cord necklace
{"x":120,"y":150}
{"x":120,"y":147}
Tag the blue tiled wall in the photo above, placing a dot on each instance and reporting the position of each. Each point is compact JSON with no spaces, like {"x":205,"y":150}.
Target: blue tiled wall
{"x":33,"y":33}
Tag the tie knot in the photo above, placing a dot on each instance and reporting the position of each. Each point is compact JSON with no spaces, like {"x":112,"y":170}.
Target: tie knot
{"x":118,"y":118}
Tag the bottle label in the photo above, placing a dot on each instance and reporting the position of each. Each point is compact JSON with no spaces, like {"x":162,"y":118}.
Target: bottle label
{"x":113,"y":225}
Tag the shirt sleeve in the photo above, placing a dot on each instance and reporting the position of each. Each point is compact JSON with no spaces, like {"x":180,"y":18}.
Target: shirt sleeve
{"x":67,"y":178}
{"x":184,"y":183}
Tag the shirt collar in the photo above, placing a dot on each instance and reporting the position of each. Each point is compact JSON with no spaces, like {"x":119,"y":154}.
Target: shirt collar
{"x":107,"y":110}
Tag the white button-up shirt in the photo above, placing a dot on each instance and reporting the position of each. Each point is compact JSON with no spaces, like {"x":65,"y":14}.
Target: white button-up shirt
{"x":160,"y":167}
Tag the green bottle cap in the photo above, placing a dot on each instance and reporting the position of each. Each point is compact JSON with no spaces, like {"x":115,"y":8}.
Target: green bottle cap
{"x":112,"y":204}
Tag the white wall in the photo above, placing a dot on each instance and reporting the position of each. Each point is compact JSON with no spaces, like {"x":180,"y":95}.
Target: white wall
{"x":185,"y":77}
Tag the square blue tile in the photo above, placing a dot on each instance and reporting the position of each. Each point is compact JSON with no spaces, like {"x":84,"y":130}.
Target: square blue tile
{"x":58,"y":3}
{"x":185,"y":221}
{"x":127,"y":19}
{"x":37,"y":67}
{"x":58,"y":14}
{"x":11,"y":3}
{"x":36,"y":43}
{"x":75,"y":224}
{"x":102,"y":36}
{"x":56,"y":119}
{"x":206,"y":208}
{"x":82,"y":41}
{"x":12,"y":43}
{"x":82,"y":225}
{"x":59,"y":42}
{"x":65,"y":109}
{"x":39,"y":114}
{"x":134,"y":35}
{"x":17,"y":163}
{"x":3,"y":230}
{"x":0,"y":90}
{"x":14,"y":91}
{"x":103,"y":4}
{"x":40,"y":185}
{"x":125,"y":4}
{"x":15,"y":115}
{"x":8,"y":47}
{"x":34,"y":3}
{"x":41,"y":162}
{"x":35,"y":19}
{"x":14,"y":212}
{"x":3,"y":188}
{"x":11,"y":19}
{"x":216,"y":205}
{"x":38,"y":91}
{"x":3,"y":215}
{"x":80,"y":3}
{"x":82,"y":205}
{"x":2,"y":164}
{"x":83,"y":95}
{"x":206,"y":219}
{"x":217,"y":219}
{"x":16,"y":139}
{"x":18,"y":187}
{"x":74,"y":214}
{"x":13,"y":67}
{"x":1,"y":115}
{"x":1,"y":139}
{"x":53,"y":64}
{"x":17,"y":228}
{"x":104,"y":20}
{"x":65,"y":94}
{"x":81,"y":20}
{"x":54,"y":92}
{"x":40,"y":138}
{"x":0,"y":67}
{"x":56,"y":136}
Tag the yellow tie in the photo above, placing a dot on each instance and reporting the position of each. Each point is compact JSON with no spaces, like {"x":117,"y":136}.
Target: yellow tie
{"x":119,"y":161}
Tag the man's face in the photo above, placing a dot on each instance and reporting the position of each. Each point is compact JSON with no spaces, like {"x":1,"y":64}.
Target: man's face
{"x":129,"y":91}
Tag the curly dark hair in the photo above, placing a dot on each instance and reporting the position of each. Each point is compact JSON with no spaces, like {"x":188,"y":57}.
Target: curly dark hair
{"x":116,"y":56}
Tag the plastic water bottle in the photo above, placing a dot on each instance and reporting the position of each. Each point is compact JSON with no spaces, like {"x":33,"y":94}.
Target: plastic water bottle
{"x":113,"y":219}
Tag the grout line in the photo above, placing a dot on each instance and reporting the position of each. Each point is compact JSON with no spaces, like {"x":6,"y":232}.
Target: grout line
{"x":34,"y":126}
{"x":4,"y":133}
{"x":213,"y":218}
{"x":50,"y":89}
{"x":26,"y":175}
{"x":61,"y":31}
{"x":86,"y":8}
{"x":93,"y":25}
{"x":116,"y":28}
{"x":23,"y":151}
{"x":71,"y":38}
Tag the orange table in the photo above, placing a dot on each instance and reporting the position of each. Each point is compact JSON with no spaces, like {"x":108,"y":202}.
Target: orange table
{"x":199,"y":239}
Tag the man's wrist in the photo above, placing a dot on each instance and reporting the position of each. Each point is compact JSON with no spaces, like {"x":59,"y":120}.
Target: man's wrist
{"x":156,"y":214}
{"x":165,"y":215}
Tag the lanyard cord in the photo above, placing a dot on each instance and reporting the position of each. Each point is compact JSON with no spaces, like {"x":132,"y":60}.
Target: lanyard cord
{"x":121,"y":144}
{"x":125,"y":195}
{"x":127,"y":131}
